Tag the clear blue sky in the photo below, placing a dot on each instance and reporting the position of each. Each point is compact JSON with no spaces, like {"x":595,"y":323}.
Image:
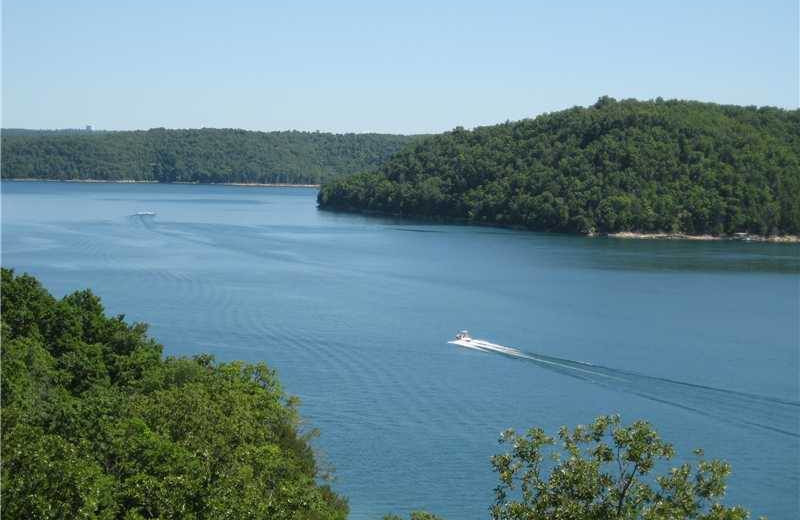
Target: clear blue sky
{"x":403,"y":67}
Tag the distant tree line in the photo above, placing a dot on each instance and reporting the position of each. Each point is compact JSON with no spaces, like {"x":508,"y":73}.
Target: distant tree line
{"x":55,"y":131}
{"x":648,"y":166}
{"x":205,"y":155}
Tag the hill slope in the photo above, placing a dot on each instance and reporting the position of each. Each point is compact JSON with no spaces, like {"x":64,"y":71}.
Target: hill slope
{"x":98,"y":424}
{"x":674,"y":166}
{"x":207,"y":155}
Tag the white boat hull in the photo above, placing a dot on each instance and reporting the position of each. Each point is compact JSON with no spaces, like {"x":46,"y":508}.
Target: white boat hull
{"x":466,"y":343}
{"x":485,"y":346}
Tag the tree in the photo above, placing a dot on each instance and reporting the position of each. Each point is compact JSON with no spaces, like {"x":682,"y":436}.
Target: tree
{"x":601,"y":472}
{"x":96,"y":424}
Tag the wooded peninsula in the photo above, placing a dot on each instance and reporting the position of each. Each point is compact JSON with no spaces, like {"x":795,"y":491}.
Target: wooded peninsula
{"x":677,"y":167}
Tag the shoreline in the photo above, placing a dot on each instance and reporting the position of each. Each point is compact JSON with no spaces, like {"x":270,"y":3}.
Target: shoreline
{"x":623,"y":235}
{"x":131,"y":181}
{"x":741,"y":237}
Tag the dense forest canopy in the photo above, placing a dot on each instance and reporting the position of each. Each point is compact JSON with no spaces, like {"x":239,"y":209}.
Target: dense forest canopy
{"x":648,"y":166}
{"x":98,"y":425}
{"x":206,"y":155}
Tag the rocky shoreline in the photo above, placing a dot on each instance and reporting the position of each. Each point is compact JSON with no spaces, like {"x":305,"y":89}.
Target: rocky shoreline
{"x":741,"y":237}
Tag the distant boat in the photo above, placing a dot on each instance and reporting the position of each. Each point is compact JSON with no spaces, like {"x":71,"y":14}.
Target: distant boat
{"x":146,"y":213}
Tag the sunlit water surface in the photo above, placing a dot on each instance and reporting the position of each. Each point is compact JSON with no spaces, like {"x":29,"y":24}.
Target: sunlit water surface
{"x":700,"y":338}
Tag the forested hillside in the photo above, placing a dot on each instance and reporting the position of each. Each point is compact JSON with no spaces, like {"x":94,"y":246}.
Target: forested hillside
{"x":207,"y":155}
{"x":98,"y":425}
{"x":648,"y":166}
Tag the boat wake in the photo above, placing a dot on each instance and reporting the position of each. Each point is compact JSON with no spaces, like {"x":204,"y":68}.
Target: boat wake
{"x":752,"y":410}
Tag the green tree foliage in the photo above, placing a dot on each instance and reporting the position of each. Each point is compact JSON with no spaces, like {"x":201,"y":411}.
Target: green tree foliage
{"x":206,"y":155}
{"x":674,"y":166}
{"x":98,"y":425}
{"x":602,"y":471}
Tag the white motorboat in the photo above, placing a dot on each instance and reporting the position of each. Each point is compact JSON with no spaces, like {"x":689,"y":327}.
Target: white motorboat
{"x":463,"y":339}
{"x":146,"y":213}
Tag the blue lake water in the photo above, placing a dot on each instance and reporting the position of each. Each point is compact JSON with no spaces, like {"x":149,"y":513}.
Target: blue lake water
{"x":700,"y":338}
